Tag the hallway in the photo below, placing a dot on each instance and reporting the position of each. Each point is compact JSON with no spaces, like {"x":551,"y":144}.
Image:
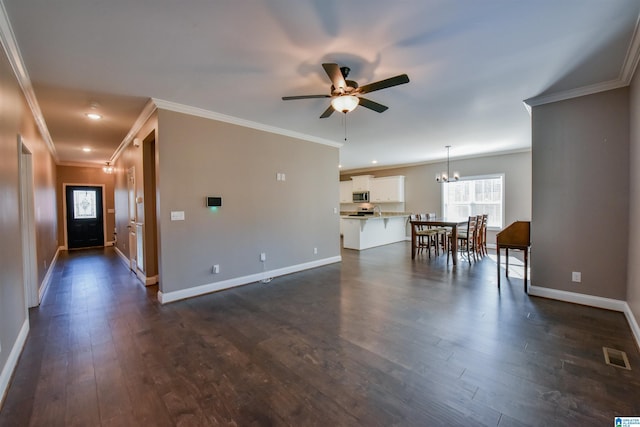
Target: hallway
{"x":374,"y":340}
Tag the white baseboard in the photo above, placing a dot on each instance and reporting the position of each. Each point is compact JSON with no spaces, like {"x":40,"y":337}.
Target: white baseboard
{"x":167,"y":297}
{"x":150,"y":280}
{"x":576,"y":298}
{"x":47,"y":277}
{"x":147,"y":281}
{"x":122,"y":256}
{"x":12,"y":361}
{"x":592,"y":301}
{"x":633,"y":324}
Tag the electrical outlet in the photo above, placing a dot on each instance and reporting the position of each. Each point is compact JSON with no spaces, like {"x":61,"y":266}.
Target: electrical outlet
{"x":576,"y":276}
{"x":315,"y":251}
{"x":263,"y":256}
{"x":216,"y":269}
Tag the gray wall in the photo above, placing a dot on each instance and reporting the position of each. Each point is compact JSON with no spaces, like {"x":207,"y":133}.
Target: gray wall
{"x":16,"y":118}
{"x":581,"y":194}
{"x":633,"y":282}
{"x":200,"y":157}
{"x":423,"y":194}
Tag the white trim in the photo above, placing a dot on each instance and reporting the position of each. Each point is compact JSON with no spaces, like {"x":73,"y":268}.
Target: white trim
{"x":12,"y":361}
{"x":28,"y":224}
{"x":632,"y":57}
{"x":167,"y":297}
{"x":8,"y":39}
{"x":633,"y":324}
{"x":575,"y":93}
{"x":147,"y":281}
{"x":591,"y":301}
{"x":147,"y":111}
{"x":122,"y":257}
{"x":576,"y":298}
{"x":626,"y":74}
{"x":47,"y":277}
{"x":199,"y":112}
{"x":152,"y":280}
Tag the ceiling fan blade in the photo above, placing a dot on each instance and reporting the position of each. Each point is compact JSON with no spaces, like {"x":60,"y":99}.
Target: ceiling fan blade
{"x":383,"y":84}
{"x":329,"y":111}
{"x":289,"y":98}
{"x":367,"y":103}
{"x":334,"y":73}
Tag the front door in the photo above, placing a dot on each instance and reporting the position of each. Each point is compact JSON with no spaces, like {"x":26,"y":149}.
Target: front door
{"x":84,"y":217}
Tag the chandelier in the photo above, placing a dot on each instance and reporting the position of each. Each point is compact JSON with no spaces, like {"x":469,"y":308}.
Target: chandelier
{"x":446,"y":176}
{"x":107,"y":168}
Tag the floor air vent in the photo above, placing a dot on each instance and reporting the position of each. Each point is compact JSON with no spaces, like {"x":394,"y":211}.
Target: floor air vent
{"x":616,"y":358}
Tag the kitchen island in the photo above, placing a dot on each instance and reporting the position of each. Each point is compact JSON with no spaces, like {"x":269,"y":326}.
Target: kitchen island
{"x":367,"y":231}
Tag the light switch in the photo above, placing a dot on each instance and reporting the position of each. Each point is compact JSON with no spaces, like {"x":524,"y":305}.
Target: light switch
{"x":177,"y":215}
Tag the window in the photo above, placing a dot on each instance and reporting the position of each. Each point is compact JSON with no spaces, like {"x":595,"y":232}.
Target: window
{"x":84,"y":204}
{"x":474,"y":196}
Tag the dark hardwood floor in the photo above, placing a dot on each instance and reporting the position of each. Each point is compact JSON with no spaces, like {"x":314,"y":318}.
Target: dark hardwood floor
{"x":376,"y":340}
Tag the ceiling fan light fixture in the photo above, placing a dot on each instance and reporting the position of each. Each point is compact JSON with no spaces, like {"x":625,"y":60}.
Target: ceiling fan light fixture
{"x":345,"y":103}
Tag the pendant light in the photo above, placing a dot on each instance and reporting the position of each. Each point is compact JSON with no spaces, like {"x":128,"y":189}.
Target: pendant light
{"x":446,"y":176}
{"x":107,"y":168}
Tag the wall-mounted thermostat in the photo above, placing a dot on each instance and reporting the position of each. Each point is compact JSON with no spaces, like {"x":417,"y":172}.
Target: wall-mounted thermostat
{"x":214,"y":201}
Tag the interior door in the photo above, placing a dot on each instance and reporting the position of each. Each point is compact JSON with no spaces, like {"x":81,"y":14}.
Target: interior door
{"x":84,"y":217}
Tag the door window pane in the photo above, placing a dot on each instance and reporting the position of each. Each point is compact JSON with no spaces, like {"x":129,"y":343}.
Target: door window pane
{"x":84,"y":204}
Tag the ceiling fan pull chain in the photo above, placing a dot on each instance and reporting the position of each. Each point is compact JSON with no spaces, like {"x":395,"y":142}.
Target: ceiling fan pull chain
{"x":344,"y":122}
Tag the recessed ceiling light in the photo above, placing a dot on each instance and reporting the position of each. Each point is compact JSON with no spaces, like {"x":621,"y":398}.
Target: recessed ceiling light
{"x":93,"y":116}
{"x":374,"y":161}
{"x":86,"y":149}
{"x":339,"y":166}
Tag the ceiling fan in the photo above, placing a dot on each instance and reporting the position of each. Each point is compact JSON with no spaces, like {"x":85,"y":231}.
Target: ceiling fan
{"x":345,"y":94}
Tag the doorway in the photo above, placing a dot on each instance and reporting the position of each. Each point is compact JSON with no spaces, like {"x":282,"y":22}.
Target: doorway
{"x":27,"y":224}
{"x":84,"y":209}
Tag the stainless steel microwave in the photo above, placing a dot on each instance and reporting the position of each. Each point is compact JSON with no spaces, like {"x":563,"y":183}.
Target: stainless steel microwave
{"x":361,"y":197}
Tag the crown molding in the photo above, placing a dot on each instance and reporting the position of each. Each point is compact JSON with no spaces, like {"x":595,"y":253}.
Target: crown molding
{"x":633,"y":56}
{"x":10,"y":46}
{"x":575,"y":93}
{"x":624,"y":79}
{"x":147,"y":111}
{"x":434,"y":161}
{"x":199,"y":112}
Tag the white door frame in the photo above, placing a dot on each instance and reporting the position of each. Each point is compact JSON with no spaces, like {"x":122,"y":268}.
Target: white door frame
{"x":64,"y":211}
{"x":133,"y":209}
{"x":28,"y":226}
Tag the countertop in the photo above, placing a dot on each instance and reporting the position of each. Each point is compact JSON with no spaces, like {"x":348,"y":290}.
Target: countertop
{"x":385,"y":215}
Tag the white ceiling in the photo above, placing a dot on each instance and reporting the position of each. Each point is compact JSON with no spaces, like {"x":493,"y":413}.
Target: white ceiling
{"x":471,"y":64}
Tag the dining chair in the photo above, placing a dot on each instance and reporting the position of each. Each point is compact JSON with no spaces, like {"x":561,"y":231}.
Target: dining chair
{"x":466,"y":240}
{"x":485,"y":220}
{"x":426,"y":236}
{"x":443,"y":233}
{"x":480,"y":225}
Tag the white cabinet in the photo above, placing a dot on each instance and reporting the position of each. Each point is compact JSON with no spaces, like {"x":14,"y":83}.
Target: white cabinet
{"x":346,"y":192}
{"x":388,"y":189}
{"x":361,"y":182}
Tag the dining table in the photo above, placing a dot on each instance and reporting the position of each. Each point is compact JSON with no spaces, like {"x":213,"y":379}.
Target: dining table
{"x":437,"y":222}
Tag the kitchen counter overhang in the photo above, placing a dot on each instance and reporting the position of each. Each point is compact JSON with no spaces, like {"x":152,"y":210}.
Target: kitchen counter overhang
{"x":368,"y":231}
